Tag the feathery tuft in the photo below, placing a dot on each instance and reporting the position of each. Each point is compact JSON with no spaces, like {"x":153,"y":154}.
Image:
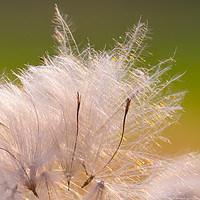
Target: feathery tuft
{"x":84,"y":125}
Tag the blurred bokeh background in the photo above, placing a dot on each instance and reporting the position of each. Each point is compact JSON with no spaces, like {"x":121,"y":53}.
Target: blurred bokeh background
{"x":26,"y":31}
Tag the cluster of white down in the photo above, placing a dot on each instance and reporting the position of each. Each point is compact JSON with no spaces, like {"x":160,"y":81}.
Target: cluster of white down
{"x":84,"y":124}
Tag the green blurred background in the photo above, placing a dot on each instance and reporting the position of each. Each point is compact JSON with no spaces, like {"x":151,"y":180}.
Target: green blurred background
{"x":27,"y":28}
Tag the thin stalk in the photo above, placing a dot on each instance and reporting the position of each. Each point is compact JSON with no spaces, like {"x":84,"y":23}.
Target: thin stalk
{"x":128,"y":101}
{"x":77,"y":129}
